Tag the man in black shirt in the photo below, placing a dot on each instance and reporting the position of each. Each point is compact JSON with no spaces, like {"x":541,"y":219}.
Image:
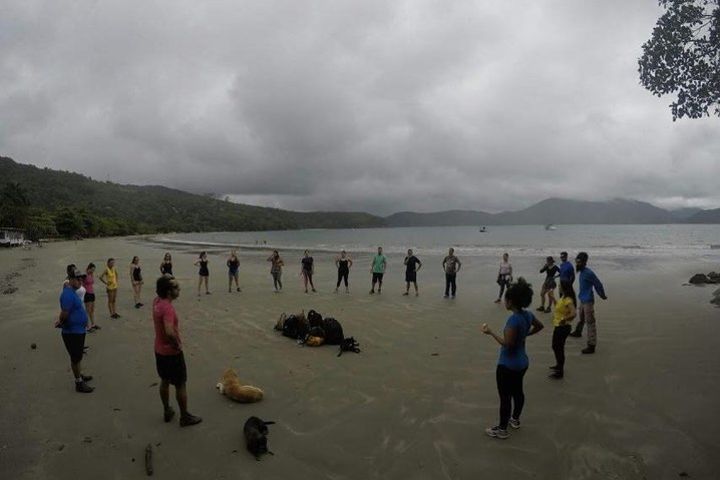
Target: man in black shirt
{"x":412,"y":265}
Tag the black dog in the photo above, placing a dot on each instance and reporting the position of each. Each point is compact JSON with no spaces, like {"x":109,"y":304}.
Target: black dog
{"x":256,"y":431}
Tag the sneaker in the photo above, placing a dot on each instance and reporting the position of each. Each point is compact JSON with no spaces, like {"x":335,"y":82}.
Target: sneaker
{"x":497,"y":432}
{"x":575,"y":334}
{"x":372,"y":292}
{"x":498,"y":301}
{"x":589,"y":349}
{"x":554,"y":367}
{"x":514,"y":423}
{"x":446,"y":296}
{"x":557,"y":375}
{"x":238,"y":289}
{"x":314,"y":291}
{"x":137,"y":305}
{"x":168,"y":414}
{"x":547,"y":310}
{"x":405,"y":294}
{"x":452,"y":296}
{"x":86,"y":378}
{"x":540,"y":309}
{"x":82,"y":387}
{"x":188,"y":420}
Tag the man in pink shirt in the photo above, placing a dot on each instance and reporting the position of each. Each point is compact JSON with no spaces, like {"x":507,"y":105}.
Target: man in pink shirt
{"x":169,"y":357}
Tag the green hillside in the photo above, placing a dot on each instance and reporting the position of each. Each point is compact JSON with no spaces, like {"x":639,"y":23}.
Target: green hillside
{"x":49,"y":202}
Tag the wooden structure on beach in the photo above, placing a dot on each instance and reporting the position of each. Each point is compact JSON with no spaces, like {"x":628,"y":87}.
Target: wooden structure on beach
{"x":11,"y":237}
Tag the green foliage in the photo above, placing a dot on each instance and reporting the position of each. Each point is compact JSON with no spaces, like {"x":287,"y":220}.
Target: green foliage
{"x":40,"y":224}
{"x":14,"y":205}
{"x":683,"y":56}
{"x":80,"y":206}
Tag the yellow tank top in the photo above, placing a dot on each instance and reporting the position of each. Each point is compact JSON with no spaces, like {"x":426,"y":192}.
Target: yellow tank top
{"x":563,"y":308}
{"x":111,"y":277}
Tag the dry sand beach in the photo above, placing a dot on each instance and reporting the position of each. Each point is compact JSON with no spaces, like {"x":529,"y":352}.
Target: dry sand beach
{"x":413,"y":405}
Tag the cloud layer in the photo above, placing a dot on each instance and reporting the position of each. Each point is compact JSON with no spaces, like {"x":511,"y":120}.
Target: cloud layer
{"x":351,"y":105}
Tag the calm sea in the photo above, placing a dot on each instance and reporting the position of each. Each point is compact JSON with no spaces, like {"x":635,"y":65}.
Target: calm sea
{"x":698,"y":242}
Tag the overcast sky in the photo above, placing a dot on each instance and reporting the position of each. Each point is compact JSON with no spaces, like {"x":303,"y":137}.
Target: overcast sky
{"x":367,"y":105}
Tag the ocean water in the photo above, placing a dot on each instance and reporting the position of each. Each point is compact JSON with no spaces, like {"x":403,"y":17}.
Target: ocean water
{"x":697,"y":242}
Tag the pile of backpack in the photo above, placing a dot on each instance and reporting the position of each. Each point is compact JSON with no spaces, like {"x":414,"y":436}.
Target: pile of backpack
{"x":313,"y":330}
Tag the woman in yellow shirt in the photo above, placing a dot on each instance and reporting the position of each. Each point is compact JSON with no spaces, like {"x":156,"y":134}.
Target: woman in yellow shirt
{"x":565,"y":310}
{"x":110,"y":278}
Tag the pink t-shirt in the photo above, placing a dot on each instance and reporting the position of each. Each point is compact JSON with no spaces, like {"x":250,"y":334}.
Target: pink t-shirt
{"x":164,"y":314}
{"x":88,"y":283}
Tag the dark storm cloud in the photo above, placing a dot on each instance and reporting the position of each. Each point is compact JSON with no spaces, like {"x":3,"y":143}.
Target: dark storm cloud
{"x":372,"y":105}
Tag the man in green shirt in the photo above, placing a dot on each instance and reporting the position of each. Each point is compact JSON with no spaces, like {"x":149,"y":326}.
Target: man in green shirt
{"x":379,"y":263}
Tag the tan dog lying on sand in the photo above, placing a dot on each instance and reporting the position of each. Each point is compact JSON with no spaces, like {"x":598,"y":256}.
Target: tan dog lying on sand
{"x":231,"y":387}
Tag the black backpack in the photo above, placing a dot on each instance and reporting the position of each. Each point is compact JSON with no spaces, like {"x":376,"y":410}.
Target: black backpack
{"x":333,"y":331}
{"x":294,"y":327}
{"x":314,"y":319}
{"x":349,"y":345}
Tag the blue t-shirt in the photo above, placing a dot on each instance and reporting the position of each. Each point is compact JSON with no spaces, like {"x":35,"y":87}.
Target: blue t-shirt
{"x":587,"y":280}
{"x":515,"y":358}
{"x":77,"y":320}
{"x":567,"y":272}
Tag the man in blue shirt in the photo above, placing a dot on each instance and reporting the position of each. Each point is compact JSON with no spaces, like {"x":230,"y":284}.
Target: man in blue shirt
{"x":567,"y":271}
{"x":587,"y":282}
{"x":73,"y":322}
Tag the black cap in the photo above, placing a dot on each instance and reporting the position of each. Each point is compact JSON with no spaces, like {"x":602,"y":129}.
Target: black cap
{"x":76,"y":273}
{"x":582,"y":256}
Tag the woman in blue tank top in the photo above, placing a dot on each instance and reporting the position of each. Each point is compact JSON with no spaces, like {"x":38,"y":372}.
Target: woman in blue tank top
{"x":513,"y":361}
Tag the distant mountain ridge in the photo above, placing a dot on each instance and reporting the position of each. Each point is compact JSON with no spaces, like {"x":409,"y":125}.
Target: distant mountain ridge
{"x":560,"y":211}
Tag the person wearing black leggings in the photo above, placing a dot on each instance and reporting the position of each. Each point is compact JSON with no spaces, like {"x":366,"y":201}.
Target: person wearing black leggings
{"x":513,"y":361}
{"x":343,"y":264}
{"x":565,"y":311}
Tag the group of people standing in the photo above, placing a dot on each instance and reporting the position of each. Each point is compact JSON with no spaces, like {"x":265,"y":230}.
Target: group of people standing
{"x":513,"y":361}
{"x":78,"y":296}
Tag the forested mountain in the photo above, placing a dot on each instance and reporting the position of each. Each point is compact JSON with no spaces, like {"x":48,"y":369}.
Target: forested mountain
{"x":78,"y":205}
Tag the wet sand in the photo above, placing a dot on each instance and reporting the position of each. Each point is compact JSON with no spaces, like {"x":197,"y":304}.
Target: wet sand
{"x":414,"y":404}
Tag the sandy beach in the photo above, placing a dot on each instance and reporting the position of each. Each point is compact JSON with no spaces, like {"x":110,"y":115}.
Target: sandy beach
{"x":413,"y":405}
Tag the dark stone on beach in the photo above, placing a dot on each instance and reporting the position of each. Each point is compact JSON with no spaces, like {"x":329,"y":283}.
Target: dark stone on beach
{"x":33,"y":346}
{"x":61,"y":447}
{"x":683,"y":474}
{"x":715,"y":277}
{"x":699,"y":279}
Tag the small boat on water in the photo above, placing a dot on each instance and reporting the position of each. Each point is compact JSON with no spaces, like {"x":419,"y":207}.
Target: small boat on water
{"x":550,"y":226}
{"x":482,"y":229}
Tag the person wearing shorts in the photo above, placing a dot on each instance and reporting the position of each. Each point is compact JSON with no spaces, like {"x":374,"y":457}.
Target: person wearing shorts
{"x":203,"y":272}
{"x":89,"y":300}
{"x":169,"y":358}
{"x":306,"y":270}
{"x":412,"y":265}
{"x":276,"y":265}
{"x":233,"y":264}
{"x":549,"y":284}
{"x":377,"y":268}
{"x":73,"y":322}
{"x":136,"y":280}
{"x":110,"y":278}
